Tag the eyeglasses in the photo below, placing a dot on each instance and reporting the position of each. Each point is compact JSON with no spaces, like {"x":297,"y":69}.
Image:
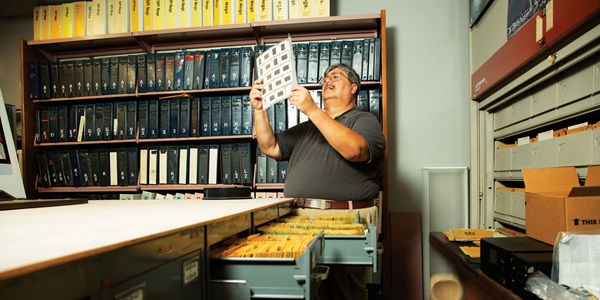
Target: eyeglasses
{"x":333,"y":77}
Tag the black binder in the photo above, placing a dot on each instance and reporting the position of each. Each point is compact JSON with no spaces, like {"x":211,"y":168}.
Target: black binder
{"x":236,"y":115}
{"x":67,"y":168}
{"x":225,"y":115}
{"x":347,"y":52}
{"x":44,"y":78}
{"x":313,"y":62}
{"x":97,"y":83}
{"x":43,"y":173}
{"x":234,"y":67}
{"x":131,"y":119}
{"x":215,"y":115}
{"x":143,"y":119}
{"x":103,"y":167}
{"x":357,"y":56}
{"x":178,"y":71}
{"x":205,"y":116}
{"x":88,"y":77}
{"x":59,"y":169}
{"x":108,"y":120}
{"x":199,"y":62}
{"x":132,"y":166}
{"x":52,"y":124}
{"x":247,"y":112}
{"x":84,"y":167}
{"x":99,"y":122}
{"x":79,"y":82}
{"x":95,"y":175}
{"x":174,"y":119}
{"x":236,"y":164}
{"x":226,"y":164}
{"x":75,"y":168}
{"x":34,"y":80}
{"x":247,"y":174}
{"x":324,"y":57}
{"x":122,"y":77}
{"x":302,"y":62}
{"x":184,"y":117}
{"x":173,"y":165}
{"x":153,"y":118}
{"x":188,"y":70}
{"x":195,"y":117}
{"x":336,"y":53}
{"x":246,"y":60}
{"x":44,"y":124}
{"x":159,"y":67}
{"x":131,"y":72}
{"x":214,"y":68}
{"x":141,"y":73}
{"x":114,"y":75}
{"x":54,"y":80}
{"x":224,"y":58}
{"x":164,"y":119}
{"x":150,"y":72}
{"x":203,"y":164}
{"x":62,"y":123}
{"x":169,"y":71}
{"x":122,"y":167}
{"x":121,"y":121}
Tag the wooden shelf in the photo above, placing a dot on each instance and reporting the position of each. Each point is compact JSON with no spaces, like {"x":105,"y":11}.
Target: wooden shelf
{"x":90,"y":189}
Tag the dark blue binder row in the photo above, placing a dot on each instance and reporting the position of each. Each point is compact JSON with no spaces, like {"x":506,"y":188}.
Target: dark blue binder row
{"x":86,"y":122}
{"x":126,"y":74}
{"x":192,"y":69}
{"x":88,"y":167}
{"x":197,"y":164}
{"x":167,"y":118}
{"x":195,"y":117}
{"x":313,"y":58}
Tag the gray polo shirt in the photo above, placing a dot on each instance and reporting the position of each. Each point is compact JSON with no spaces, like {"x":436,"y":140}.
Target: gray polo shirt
{"x":316,"y":170}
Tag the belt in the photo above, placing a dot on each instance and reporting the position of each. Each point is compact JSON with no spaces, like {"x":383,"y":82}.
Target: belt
{"x":331,"y":204}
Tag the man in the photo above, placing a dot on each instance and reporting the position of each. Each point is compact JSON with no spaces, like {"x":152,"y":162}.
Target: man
{"x":336,"y":160}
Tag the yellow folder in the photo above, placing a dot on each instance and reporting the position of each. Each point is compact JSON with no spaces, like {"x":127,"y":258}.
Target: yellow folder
{"x":37,"y":22}
{"x":79,"y":18}
{"x":55,"y":21}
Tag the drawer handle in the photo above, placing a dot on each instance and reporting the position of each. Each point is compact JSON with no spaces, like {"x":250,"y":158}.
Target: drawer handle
{"x":300,"y":278}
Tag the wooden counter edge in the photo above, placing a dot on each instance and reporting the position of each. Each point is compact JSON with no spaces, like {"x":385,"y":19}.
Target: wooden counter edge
{"x":439,"y":241}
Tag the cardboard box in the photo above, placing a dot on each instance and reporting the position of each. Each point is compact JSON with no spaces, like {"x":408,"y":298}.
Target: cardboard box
{"x":555,"y":201}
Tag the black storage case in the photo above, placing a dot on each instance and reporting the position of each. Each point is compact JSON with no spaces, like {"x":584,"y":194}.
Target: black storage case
{"x":496,"y":255}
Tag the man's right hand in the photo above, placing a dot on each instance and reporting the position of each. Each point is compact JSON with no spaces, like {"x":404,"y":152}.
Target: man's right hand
{"x":256,"y":95}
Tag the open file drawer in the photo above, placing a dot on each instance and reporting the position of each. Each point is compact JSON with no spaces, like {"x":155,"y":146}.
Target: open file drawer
{"x":351,"y":249}
{"x":275,"y":278}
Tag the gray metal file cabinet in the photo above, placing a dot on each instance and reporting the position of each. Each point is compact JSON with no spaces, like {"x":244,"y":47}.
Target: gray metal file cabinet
{"x":166,"y":267}
{"x":532,"y":121}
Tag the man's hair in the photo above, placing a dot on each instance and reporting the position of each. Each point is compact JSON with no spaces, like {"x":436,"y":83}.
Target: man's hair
{"x":352,"y":75}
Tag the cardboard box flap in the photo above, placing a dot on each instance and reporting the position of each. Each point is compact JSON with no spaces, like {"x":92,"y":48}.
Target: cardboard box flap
{"x":585,"y":191}
{"x":593,"y":176}
{"x":550,"y":180}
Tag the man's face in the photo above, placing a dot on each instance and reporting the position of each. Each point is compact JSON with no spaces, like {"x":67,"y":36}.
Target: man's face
{"x":337,"y":86}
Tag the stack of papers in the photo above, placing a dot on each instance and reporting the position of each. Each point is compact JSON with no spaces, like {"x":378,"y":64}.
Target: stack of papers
{"x":469,"y":235}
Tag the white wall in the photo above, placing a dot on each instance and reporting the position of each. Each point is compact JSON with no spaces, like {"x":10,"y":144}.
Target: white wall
{"x":428,"y":71}
{"x":428,"y":89}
